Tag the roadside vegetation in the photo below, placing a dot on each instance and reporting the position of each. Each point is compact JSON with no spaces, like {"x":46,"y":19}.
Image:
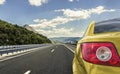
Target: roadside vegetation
{"x":16,"y":35}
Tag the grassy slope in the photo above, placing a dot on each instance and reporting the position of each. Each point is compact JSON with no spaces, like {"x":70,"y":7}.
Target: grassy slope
{"x":13,"y":34}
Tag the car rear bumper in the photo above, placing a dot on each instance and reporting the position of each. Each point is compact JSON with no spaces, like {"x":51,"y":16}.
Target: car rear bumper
{"x":88,"y":68}
{"x":100,"y":69}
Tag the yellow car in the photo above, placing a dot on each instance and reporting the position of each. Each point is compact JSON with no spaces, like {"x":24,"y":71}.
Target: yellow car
{"x":99,"y":50}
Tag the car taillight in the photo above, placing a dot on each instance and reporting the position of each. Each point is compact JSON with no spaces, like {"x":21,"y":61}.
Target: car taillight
{"x":103,"y":53}
{"x":100,"y":53}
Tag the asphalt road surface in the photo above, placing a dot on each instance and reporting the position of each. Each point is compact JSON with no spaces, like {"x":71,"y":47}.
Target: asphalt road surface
{"x":56,"y":59}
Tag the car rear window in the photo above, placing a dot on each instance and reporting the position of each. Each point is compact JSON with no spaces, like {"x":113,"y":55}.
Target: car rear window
{"x":107,"y":26}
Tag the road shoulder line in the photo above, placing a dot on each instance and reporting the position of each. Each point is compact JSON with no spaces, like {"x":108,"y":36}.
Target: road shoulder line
{"x":69,"y":48}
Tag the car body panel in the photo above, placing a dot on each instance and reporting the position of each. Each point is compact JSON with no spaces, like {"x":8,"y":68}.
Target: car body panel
{"x":82,"y":67}
{"x":100,"y":69}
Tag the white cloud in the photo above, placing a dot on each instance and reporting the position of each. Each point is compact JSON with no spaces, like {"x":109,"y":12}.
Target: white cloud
{"x":70,"y":0}
{"x":51,"y":23}
{"x":69,"y":15}
{"x":39,"y":21}
{"x":73,"y":0}
{"x":84,"y":14}
{"x":76,"y":14}
{"x":36,"y":20}
{"x":37,"y":2}
{"x":2,"y":2}
{"x":100,"y":9}
{"x":60,"y":32}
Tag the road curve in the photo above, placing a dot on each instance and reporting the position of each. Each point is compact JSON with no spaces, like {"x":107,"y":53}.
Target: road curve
{"x":56,"y":59}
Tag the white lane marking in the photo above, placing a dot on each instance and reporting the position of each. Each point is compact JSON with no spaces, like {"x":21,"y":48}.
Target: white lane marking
{"x":52,"y":50}
{"x":28,"y":72}
{"x":69,"y":49}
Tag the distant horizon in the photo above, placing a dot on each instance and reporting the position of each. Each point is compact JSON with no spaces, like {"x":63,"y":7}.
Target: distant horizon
{"x":62,"y":37}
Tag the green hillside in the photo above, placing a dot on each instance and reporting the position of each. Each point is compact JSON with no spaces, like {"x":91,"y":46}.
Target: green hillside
{"x":13,"y":35}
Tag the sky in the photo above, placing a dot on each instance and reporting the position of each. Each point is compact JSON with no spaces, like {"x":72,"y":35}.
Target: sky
{"x":58,"y":18}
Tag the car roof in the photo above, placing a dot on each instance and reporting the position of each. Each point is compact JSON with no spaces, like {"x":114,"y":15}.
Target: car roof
{"x":110,"y":21}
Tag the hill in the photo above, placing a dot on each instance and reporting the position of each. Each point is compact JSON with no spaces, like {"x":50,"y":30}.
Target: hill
{"x":29,"y":28}
{"x":66,"y":39}
{"x":13,"y":35}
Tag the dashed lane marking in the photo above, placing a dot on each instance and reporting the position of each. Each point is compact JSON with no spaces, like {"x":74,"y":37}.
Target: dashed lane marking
{"x":52,"y":50}
{"x":28,"y":72}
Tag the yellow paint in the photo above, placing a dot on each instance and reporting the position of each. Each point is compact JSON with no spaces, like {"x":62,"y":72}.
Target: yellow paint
{"x":82,"y":67}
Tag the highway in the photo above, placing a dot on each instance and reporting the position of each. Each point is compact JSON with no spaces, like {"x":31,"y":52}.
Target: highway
{"x":54,"y":59}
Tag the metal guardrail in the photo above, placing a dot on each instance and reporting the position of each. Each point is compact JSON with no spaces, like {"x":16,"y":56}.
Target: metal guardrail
{"x":17,"y":48}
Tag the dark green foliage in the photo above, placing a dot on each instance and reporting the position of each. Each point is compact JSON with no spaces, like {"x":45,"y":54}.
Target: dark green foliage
{"x":14,"y":35}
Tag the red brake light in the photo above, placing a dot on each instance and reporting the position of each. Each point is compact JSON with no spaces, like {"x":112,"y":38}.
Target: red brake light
{"x":100,"y":53}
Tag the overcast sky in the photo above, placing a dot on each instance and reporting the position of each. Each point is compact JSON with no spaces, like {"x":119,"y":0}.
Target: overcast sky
{"x":58,"y":18}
